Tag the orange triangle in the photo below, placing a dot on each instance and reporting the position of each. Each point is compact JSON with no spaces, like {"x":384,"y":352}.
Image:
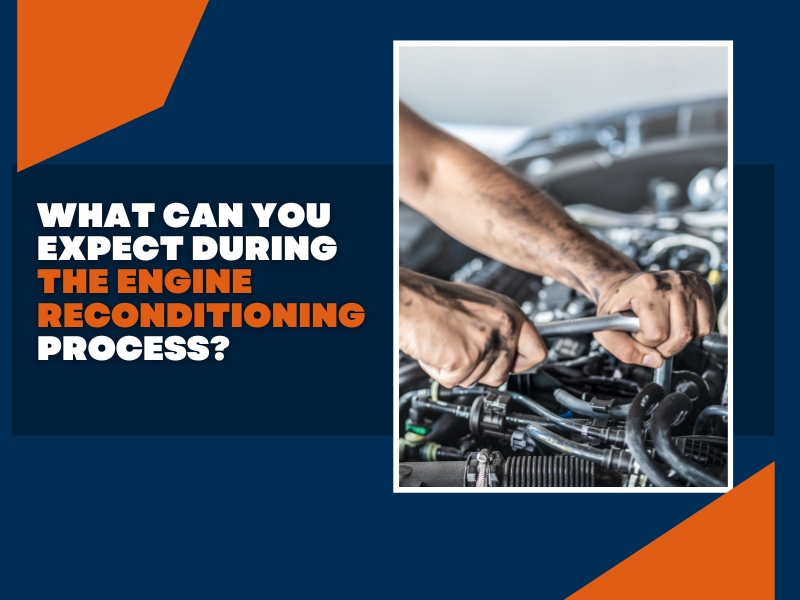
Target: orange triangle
{"x":735,"y":538}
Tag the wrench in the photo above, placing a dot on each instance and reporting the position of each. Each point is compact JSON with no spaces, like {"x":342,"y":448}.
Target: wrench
{"x":626,"y":321}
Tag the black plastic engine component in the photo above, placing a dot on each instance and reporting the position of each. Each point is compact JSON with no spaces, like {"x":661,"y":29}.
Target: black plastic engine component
{"x":432,"y":474}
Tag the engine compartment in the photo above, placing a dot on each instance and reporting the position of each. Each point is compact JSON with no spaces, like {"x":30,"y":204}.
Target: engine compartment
{"x":582,"y":418}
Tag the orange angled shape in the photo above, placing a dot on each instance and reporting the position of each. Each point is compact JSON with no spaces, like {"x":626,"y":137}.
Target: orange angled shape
{"x":87,"y":66}
{"x":739,"y":563}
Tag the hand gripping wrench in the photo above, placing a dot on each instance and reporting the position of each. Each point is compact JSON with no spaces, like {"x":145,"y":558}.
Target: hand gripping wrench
{"x":626,"y":321}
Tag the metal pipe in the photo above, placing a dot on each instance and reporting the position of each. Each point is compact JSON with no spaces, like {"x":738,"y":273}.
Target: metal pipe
{"x":685,"y":239}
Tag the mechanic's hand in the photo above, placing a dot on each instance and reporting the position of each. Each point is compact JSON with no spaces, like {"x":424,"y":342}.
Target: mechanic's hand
{"x":462,"y":334}
{"x":674,"y":307}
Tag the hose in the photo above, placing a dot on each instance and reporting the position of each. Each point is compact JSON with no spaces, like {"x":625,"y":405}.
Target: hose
{"x":707,"y":414}
{"x":716,"y":343}
{"x":526,"y":419}
{"x":428,"y":452}
{"x":461,"y":412}
{"x":714,"y":381}
{"x":634,"y":434}
{"x":664,"y":415}
{"x":567,"y":400}
{"x":548,"y":471}
{"x":407,"y":397}
{"x":448,"y":453}
{"x":619,"y":460}
{"x":696,"y":388}
{"x":435,"y":392}
{"x":449,"y":426}
{"x":629,"y":387}
{"x":608,"y":435}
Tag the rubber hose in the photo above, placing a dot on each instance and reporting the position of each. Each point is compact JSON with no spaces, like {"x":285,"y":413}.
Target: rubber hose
{"x":607,"y":434}
{"x":540,"y":410}
{"x":716,"y":343}
{"x":619,"y":460}
{"x":634,"y":434}
{"x":407,"y":397}
{"x":449,"y":426}
{"x":567,"y":400}
{"x":564,"y":445}
{"x":714,"y":382}
{"x":696,"y":388}
{"x":548,"y":471}
{"x":706,"y":415}
{"x":664,"y":415}
{"x":449,"y":453}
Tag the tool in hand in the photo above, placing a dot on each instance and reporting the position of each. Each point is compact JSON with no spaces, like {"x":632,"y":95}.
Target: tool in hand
{"x":625,"y":321}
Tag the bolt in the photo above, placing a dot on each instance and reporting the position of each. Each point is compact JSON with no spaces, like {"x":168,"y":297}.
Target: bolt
{"x":405,"y":470}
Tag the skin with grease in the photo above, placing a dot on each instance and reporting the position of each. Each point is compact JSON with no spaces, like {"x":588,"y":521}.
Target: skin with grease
{"x":462,"y":334}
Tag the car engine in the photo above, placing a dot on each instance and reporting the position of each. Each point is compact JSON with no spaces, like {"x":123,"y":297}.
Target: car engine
{"x":653,"y":184}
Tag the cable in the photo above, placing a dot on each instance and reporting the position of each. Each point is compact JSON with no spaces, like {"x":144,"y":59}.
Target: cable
{"x":634,"y":434}
{"x":666,"y":412}
{"x":706,"y":415}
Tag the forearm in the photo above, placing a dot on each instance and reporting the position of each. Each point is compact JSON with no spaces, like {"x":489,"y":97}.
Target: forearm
{"x":500,"y":214}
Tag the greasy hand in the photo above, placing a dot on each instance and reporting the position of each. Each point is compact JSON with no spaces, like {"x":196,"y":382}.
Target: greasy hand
{"x":674,"y":307}
{"x":462,"y":334}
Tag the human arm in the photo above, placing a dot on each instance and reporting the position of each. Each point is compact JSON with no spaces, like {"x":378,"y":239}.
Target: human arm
{"x":500,"y":214}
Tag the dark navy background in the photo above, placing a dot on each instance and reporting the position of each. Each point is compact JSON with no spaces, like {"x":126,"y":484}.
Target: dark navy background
{"x":233,"y":516}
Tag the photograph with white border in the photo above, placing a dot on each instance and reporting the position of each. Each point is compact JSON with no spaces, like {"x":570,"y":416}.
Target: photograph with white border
{"x":563,"y":266}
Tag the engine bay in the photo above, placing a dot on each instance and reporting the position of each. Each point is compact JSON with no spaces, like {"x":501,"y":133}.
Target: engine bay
{"x":582,"y":418}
